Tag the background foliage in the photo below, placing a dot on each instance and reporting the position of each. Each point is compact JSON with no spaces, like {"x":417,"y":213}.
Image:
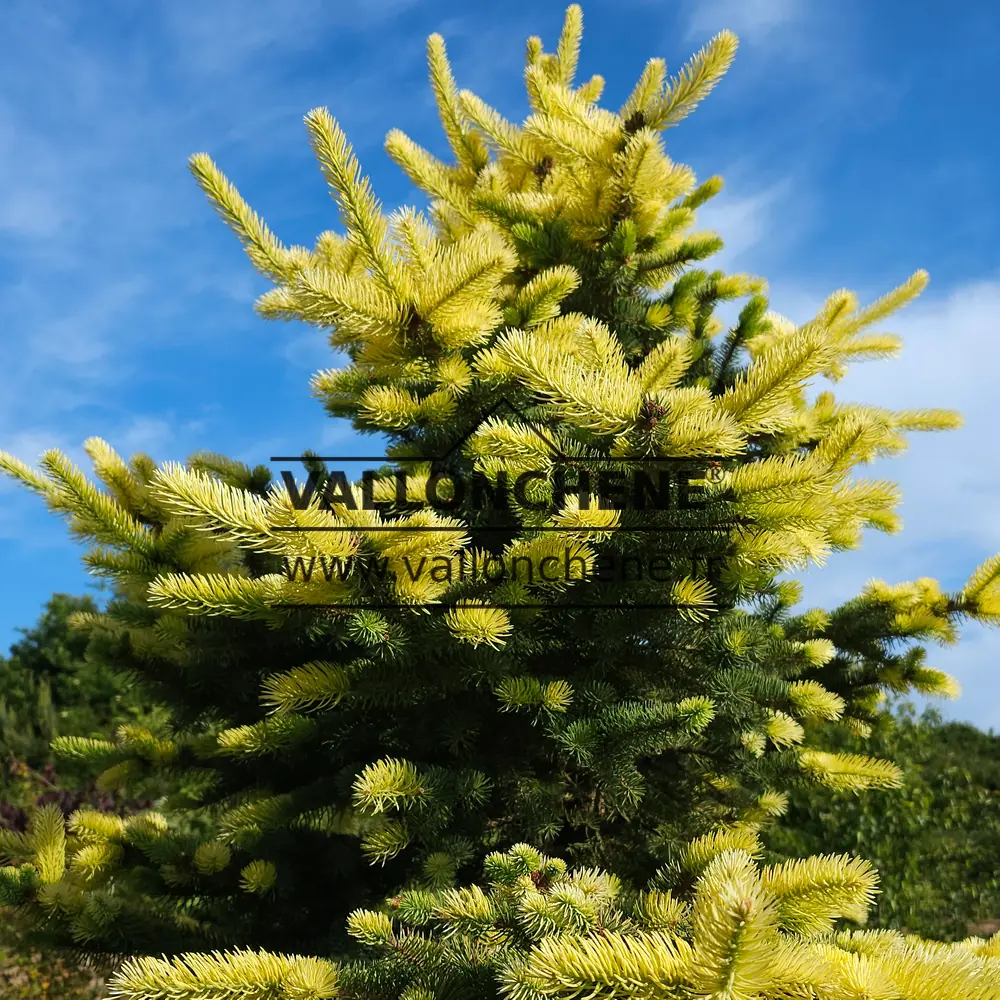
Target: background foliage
{"x":935,"y":841}
{"x":48,"y":687}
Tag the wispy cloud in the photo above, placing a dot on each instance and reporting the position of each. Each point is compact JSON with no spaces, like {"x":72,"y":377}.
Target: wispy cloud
{"x":94,"y":134}
{"x":125,"y":307}
{"x":753,"y":219}
{"x":950,"y":481}
{"x":755,"y":21}
{"x":219,"y":39}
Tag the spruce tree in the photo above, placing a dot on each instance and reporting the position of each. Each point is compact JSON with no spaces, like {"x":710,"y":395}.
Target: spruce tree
{"x":545,"y":323}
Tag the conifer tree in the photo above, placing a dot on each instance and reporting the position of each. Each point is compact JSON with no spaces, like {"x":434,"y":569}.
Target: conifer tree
{"x":341,"y":738}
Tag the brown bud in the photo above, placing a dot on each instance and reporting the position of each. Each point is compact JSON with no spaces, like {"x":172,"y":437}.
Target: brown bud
{"x":635,"y":121}
{"x":544,"y":168}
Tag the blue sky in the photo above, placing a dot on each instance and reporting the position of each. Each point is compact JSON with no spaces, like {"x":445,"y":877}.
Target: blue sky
{"x":857,"y":146}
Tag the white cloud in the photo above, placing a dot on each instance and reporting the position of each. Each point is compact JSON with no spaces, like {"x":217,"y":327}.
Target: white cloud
{"x":339,"y":433}
{"x":755,"y":21}
{"x":745,"y":216}
{"x":950,"y":358}
{"x":95,"y":129}
{"x":29,"y":444}
{"x":950,"y":481}
{"x":148,"y":434}
{"x":80,"y":337}
{"x":227,"y":36}
{"x":308,"y":351}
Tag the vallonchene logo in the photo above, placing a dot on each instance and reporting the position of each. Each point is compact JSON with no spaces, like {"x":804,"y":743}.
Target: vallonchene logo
{"x":649,"y":498}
